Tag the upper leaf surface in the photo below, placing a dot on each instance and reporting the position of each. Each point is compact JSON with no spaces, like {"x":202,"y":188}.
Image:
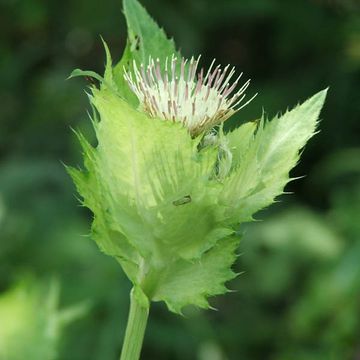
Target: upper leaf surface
{"x":183,"y":283}
{"x":145,"y":38}
{"x":155,"y":184}
{"x":263,"y":164}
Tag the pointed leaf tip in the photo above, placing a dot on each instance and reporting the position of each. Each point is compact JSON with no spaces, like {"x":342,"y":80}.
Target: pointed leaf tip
{"x":317,"y":100}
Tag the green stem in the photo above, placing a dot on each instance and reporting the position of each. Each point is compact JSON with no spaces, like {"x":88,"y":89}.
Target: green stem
{"x":135,"y":329}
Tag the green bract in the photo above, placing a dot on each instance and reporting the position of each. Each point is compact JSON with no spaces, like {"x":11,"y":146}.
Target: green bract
{"x":166,"y":204}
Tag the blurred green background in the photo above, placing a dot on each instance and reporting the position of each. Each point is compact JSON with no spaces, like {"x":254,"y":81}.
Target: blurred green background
{"x":299,"y":295}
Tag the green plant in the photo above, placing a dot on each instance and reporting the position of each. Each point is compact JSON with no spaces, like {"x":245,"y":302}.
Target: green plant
{"x":31,"y":322}
{"x":168,"y":187}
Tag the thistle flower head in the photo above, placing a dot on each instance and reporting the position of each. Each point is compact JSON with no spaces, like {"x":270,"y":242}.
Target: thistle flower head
{"x":183,"y":94}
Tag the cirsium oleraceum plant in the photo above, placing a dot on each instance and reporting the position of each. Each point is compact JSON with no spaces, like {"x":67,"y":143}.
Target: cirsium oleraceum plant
{"x":167,"y":186}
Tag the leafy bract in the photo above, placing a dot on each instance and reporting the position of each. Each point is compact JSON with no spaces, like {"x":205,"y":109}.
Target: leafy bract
{"x":157,"y":208}
{"x":150,"y":190}
{"x":263,"y":159}
{"x":185,"y":282}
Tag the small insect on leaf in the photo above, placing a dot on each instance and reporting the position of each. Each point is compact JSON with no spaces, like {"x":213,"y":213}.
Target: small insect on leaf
{"x":135,"y":45}
{"x":90,"y":80}
{"x":184,"y":200}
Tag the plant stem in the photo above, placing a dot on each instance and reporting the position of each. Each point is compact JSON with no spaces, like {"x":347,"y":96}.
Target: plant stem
{"x":135,"y":330}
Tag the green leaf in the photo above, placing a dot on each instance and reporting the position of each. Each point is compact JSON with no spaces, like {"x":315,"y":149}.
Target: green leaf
{"x":106,"y":81}
{"x":144,"y":35}
{"x":86,"y":73}
{"x":183,"y":283}
{"x":239,"y":141}
{"x":150,"y":190}
{"x":104,"y":229}
{"x":265,"y":159}
{"x":145,"y":38}
{"x":158,"y":208}
{"x":145,"y":165}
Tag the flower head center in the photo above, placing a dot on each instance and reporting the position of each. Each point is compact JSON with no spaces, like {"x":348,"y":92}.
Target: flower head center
{"x":183,"y":94}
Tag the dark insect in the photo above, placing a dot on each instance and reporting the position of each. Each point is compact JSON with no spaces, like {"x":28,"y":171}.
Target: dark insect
{"x":184,"y":200}
{"x":136,"y":44}
{"x":90,"y":80}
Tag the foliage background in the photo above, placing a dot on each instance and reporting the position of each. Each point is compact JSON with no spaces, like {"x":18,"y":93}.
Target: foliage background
{"x":298,"y":297}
